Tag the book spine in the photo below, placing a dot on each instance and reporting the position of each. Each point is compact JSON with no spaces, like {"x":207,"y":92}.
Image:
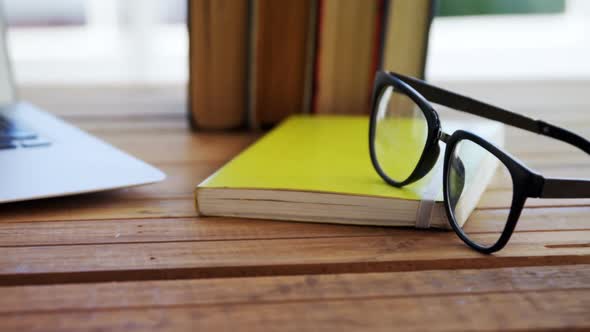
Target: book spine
{"x":217,"y":63}
{"x":345,"y":56}
{"x":406,"y":39}
{"x":310,"y":61}
{"x":386,"y":5}
{"x":315,"y":86}
{"x":379,"y":37}
{"x":431,"y":14}
{"x":253,"y":27}
{"x":278,"y":60}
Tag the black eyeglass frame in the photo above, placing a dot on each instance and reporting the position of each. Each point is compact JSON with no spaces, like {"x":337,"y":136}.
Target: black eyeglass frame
{"x":526,"y":182}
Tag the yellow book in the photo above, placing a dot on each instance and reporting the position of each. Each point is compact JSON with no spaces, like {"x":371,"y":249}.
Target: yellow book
{"x":318,"y":169}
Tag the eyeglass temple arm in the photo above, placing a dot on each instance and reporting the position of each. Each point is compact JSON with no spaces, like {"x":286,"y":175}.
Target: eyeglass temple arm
{"x":565,"y":188}
{"x":472,"y":106}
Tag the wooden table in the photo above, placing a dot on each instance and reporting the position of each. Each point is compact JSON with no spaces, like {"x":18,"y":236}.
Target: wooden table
{"x":140,"y":259}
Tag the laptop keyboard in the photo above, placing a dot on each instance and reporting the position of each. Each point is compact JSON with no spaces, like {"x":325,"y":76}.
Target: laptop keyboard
{"x":14,"y":135}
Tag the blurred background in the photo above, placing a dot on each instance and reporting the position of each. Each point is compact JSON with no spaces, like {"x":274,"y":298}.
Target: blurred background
{"x":98,"y":41}
{"x":145,"y":41}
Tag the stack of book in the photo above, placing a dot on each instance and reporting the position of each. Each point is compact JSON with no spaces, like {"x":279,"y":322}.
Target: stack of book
{"x":255,"y":62}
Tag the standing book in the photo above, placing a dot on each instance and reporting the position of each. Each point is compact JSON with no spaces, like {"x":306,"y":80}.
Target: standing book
{"x":347,"y":55}
{"x":282,"y":34}
{"x":317,"y":169}
{"x":406,"y":34}
{"x":218,"y":35}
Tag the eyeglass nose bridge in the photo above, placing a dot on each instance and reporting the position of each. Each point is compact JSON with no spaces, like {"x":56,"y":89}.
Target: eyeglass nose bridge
{"x":444,"y":137}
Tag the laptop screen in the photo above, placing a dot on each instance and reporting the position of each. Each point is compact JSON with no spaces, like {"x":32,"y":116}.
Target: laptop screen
{"x":6,"y":86}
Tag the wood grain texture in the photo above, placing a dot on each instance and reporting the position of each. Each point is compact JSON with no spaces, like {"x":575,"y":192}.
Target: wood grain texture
{"x":98,"y":206}
{"x":140,"y":258}
{"x":401,"y":251}
{"x":169,"y":293}
{"x":538,"y":298}
{"x":565,"y":310}
{"x":107,"y":231}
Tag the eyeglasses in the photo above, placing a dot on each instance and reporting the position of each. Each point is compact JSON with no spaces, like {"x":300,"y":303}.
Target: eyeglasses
{"x":404,"y":139}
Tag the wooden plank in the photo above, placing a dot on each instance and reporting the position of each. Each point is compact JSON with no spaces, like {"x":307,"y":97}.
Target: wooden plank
{"x":146,"y":202}
{"x":97,"y":206}
{"x":147,"y":294}
{"x":123,"y":125}
{"x":563,"y":310}
{"x":548,"y":310}
{"x":41,"y":233}
{"x":37,"y":233}
{"x":181,"y":181}
{"x":182,"y":148}
{"x":399,"y":251}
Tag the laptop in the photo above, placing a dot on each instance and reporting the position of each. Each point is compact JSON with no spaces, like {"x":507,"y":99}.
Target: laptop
{"x":42,"y":156}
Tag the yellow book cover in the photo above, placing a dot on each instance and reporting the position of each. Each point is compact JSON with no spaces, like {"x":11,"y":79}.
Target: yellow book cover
{"x":318,"y":169}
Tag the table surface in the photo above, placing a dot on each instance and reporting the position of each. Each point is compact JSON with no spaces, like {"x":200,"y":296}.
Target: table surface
{"x":140,"y":259}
